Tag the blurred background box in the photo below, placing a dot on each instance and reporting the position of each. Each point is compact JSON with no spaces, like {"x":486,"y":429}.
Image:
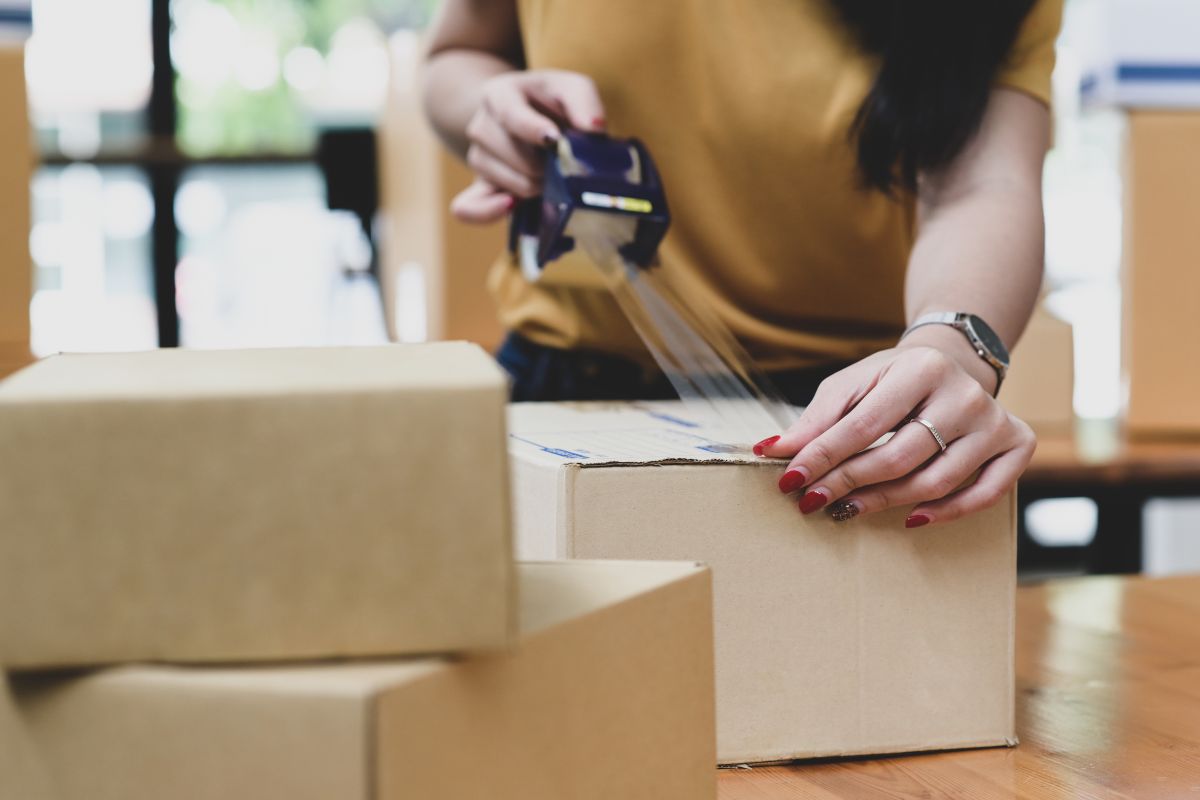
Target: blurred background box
{"x":429,"y":258}
{"x":1161,"y":273}
{"x":16,"y":170}
{"x":189,"y":505}
{"x":1041,"y":384}
{"x":832,"y":640}
{"x":1141,"y":54}
{"x":608,"y":695}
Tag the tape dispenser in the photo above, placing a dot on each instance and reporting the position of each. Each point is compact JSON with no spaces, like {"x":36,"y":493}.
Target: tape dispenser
{"x":600,"y":193}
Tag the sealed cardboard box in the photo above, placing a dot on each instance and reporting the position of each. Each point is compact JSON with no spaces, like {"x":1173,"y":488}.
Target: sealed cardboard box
{"x":272,"y":504}
{"x":1040,"y":386}
{"x":16,"y":167}
{"x":608,"y":695}
{"x":832,"y":639}
{"x":1161,"y":272}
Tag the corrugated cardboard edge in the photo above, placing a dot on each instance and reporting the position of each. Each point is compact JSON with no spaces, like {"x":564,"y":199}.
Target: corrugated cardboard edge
{"x":873,"y":753}
{"x":565,"y":526}
{"x":509,"y":509}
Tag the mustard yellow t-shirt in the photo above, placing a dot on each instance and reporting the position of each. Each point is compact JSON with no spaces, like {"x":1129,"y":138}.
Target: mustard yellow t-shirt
{"x":745,"y":107}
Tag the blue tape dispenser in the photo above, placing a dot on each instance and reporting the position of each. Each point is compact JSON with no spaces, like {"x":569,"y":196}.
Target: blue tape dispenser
{"x":601,"y":193}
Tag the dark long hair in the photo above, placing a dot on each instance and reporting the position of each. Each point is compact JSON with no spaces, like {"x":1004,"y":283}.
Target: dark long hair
{"x":938,"y":59}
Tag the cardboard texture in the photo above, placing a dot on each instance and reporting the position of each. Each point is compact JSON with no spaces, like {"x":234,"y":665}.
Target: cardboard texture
{"x":272,"y":504}
{"x":1040,"y":387}
{"x":1160,"y":278}
{"x":22,"y":774}
{"x":16,"y":170}
{"x":609,"y":695}
{"x":419,"y":179}
{"x":832,"y":639}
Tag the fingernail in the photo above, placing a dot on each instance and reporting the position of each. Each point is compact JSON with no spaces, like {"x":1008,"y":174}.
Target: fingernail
{"x":764,"y":444}
{"x":844,"y":510}
{"x":813,"y":500}
{"x":792,"y":481}
{"x":917,"y":520}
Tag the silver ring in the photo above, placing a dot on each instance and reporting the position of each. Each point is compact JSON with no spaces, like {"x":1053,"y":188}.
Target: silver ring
{"x":937,"y":437}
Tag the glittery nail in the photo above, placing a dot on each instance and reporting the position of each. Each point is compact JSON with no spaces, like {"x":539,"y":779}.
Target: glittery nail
{"x":843,"y":510}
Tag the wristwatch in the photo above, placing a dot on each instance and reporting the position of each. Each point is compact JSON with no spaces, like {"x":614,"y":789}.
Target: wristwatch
{"x":986,"y":341}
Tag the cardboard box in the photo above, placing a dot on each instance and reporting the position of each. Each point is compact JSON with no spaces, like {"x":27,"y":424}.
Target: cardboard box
{"x":13,"y":358}
{"x":22,"y":774}
{"x":16,"y":171}
{"x":272,"y":504}
{"x":609,"y":695}
{"x":832,"y":639}
{"x":423,"y":247}
{"x":1161,"y":272}
{"x":1040,"y":387}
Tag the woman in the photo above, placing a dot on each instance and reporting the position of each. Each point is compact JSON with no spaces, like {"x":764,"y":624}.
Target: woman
{"x":855,"y":188}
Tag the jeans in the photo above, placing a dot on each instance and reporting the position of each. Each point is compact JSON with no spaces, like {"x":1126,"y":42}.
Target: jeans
{"x":541,"y":373}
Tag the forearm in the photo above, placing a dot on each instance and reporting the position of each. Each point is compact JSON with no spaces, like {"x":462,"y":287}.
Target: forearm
{"x":980,"y":240}
{"x":453,"y":81}
{"x":983,"y":254}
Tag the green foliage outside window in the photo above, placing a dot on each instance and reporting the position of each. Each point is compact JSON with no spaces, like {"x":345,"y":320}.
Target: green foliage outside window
{"x":225,"y":115}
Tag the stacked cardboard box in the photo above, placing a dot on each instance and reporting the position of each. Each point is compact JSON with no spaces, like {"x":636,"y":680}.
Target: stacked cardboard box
{"x":273,"y":504}
{"x":16,"y":166}
{"x":187,"y":508}
{"x":832,"y":639}
{"x":607,"y":695}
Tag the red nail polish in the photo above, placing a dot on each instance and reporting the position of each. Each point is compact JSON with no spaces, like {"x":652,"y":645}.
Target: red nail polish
{"x":917,"y":520}
{"x":598,"y":123}
{"x":764,"y":444}
{"x":792,"y":481}
{"x":812,"y":501}
{"x":512,"y":203}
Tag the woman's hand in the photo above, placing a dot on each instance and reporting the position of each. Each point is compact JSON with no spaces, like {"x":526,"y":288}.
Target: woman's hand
{"x":517,"y":117}
{"x":932,"y":376}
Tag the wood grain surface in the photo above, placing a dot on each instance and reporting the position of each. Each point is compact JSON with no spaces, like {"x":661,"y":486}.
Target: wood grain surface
{"x":1108,"y":706}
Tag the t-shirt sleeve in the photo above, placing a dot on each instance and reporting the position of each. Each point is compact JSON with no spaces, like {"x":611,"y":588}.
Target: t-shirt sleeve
{"x":1031,"y":62}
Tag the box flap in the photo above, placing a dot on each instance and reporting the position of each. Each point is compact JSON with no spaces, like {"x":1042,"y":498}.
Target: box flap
{"x":555,"y":592}
{"x":597,"y":434}
{"x":191,"y":374}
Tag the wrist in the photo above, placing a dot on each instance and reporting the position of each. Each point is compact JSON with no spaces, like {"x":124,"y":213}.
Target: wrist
{"x":952,"y":343}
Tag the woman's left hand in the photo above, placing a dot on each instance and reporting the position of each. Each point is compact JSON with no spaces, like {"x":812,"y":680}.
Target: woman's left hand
{"x":931,"y":376}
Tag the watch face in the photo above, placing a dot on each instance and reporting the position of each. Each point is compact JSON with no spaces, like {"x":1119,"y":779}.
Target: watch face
{"x":988,"y":338}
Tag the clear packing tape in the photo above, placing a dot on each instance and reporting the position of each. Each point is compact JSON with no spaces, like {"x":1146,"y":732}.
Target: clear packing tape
{"x":709,"y":369}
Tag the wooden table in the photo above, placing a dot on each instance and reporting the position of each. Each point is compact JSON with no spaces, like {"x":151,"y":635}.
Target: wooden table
{"x":1108,"y":706}
{"x":1119,"y":475}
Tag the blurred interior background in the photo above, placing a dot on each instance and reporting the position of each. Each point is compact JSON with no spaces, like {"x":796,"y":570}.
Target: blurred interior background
{"x":196,"y":155}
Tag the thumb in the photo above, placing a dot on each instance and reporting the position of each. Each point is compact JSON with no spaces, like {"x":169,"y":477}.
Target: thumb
{"x":481,"y":203}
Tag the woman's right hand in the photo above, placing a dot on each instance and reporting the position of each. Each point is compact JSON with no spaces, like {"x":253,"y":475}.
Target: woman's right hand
{"x":518,"y":117}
